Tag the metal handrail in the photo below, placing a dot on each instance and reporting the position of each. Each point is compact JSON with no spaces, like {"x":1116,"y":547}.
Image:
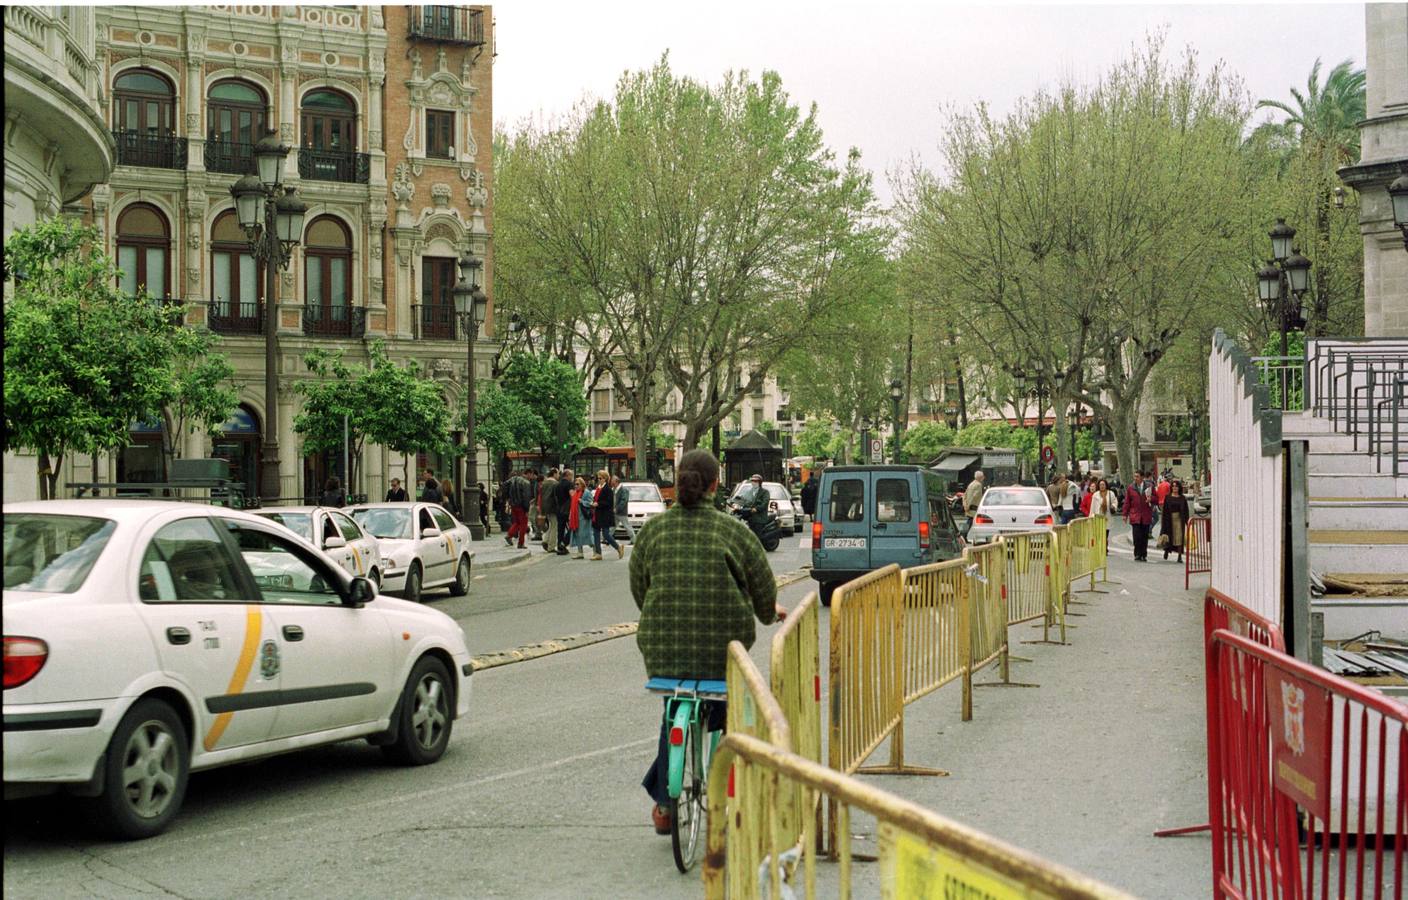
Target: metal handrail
{"x":334,"y":321}
{"x":437,"y":321}
{"x":151,"y":151}
{"x":346,"y":166}
{"x":236,"y":317}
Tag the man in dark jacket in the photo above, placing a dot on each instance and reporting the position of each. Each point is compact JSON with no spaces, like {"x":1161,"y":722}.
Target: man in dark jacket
{"x":397,"y":494}
{"x":1140,"y":517}
{"x":564,"y":509}
{"x":547,"y":504}
{"x":809,"y":496}
{"x":520,"y":497}
{"x":431,"y":492}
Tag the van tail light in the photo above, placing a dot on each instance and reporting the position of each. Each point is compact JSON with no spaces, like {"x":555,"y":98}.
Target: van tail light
{"x":816,"y":535}
{"x":24,"y":657}
{"x":924,"y":535}
{"x":981,"y":519}
{"x":1044,"y":520}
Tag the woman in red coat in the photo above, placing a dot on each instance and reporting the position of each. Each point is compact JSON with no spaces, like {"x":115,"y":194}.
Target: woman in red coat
{"x":1139,"y":515}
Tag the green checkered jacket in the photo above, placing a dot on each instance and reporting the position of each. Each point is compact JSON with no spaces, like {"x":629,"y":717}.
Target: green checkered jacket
{"x":699,"y":576}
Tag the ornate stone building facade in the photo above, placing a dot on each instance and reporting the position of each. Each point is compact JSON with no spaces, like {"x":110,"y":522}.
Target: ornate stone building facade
{"x":389,"y":114}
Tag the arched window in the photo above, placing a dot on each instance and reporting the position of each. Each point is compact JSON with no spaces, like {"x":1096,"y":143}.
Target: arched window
{"x":235,"y":290}
{"x":329,"y":121}
{"x":327,"y":273}
{"x":143,"y":101}
{"x":235,"y":119}
{"x":143,"y":250}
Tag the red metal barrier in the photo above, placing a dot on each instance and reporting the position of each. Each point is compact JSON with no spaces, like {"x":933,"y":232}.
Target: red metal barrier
{"x":1197,"y":548}
{"x":1302,"y":764}
{"x":1222,"y":612}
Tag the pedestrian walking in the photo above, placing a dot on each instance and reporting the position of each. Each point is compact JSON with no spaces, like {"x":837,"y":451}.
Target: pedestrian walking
{"x":1140,"y":517}
{"x":397,"y":494}
{"x":623,"y":506}
{"x":448,"y":498}
{"x":1070,"y":499}
{"x":501,"y":514}
{"x":604,"y":517}
{"x":974,"y":494}
{"x":809,"y":497}
{"x":547,"y":502}
{"x":483,"y":507}
{"x":583,"y":502}
{"x":519,"y":494}
{"x":332,"y":493}
{"x":430,"y":491}
{"x":535,"y":516}
{"x":565,"y":505}
{"x":1103,"y":502}
{"x":1173,"y":520}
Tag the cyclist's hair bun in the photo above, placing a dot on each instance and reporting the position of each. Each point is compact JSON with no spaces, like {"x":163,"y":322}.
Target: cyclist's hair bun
{"x":696,"y":472}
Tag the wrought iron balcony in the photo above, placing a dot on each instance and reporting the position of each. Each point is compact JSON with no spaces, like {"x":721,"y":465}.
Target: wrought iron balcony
{"x":447,"y":24}
{"x":334,"y":165}
{"x":230,"y":157}
{"x":236,"y":317}
{"x":335,"y":321}
{"x":150,"y":151}
{"x":437,"y":321}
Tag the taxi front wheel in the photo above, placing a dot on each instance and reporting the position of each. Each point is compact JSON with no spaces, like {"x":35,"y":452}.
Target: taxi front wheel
{"x":460,"y":586}
{"x":425,"y":712}
{"x":145,"y":772}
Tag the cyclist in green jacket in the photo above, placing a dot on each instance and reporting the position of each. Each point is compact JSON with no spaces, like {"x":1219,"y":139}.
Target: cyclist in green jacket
{"x":700,"y":579}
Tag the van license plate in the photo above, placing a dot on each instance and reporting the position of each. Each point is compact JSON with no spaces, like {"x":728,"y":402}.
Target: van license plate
{"x":845,"y":543}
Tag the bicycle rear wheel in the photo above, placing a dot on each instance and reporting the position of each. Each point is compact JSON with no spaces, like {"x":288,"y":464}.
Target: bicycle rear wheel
{"x":689,"y":809}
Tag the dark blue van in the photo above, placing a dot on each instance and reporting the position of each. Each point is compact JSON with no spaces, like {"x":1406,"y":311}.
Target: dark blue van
{"x":870,"y":516}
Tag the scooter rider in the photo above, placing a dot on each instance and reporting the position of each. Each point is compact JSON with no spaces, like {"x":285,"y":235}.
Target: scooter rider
{"x":756,"y":504}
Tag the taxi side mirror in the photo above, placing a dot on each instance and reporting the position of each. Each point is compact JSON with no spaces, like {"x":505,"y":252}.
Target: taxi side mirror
{"x":429,"y":532}
{"x":334,"y":542}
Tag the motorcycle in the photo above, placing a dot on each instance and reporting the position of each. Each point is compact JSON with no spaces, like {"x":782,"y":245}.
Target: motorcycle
{"x":769,"y":533}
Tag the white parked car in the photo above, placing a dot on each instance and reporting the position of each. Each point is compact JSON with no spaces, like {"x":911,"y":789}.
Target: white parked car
{"x":335,"y":533}
{"x":422,"y":546}
{"x":779,"y":504}
{"x":645,"y":502}
{"x":1010,"y":510}
{"x":147,"y":639}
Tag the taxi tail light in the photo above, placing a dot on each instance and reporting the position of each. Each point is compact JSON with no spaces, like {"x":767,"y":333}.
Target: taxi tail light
{"x":924,"y":535}
{"x":816,"y":535}
{"x":1043,"y":520}
{"x":676,"y":737}
{"x":24,"y":657}
{"x":981,"y":519}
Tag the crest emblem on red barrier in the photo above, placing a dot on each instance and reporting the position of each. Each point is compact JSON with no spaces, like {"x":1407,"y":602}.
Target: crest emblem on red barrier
{"x":1293,"y":717}
{"x":1300,"y":751}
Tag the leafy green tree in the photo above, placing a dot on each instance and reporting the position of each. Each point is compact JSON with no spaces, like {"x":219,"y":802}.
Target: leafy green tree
{"x":553,"y":391}
{"x":925,"y":440}
{"x":1325,"y":119}
{"x":505,"y":423}
{"x":814,"y":439}
{"x":82,"y":360}
{"x":611,"y":437}
{"x":202,"y":393}
{"x":385,"y":403}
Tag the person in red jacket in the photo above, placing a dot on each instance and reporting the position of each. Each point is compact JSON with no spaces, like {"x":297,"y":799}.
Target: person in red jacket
{"x":1140,"y":517}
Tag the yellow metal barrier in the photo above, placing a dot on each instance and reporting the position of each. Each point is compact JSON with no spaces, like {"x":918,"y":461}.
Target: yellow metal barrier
{"x":1058,"y":582}
{"x":867,"y":657}
{"x":1088,"y":550}
{"x":922,"y":854}
{"x":753,"y":713}
{"x":795,"y":673}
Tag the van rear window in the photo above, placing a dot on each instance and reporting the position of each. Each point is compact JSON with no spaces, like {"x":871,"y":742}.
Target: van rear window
{"x":892,"y":501}
{"x":846,"y":502}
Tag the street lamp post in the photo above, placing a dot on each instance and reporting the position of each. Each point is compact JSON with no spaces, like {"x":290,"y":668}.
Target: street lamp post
{"x":1194,"y":422}
{"x":1019,"y":376}
{"x":471,"y":307}
{"x":273,"y":226}
{"x":1281,"y":284}
{"x":864,"y":440}
{"x":896,"y":394}
{"x":1398,"y":197}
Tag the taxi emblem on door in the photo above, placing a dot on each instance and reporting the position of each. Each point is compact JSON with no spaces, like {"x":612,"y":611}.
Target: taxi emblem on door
{"x":269,"y":659}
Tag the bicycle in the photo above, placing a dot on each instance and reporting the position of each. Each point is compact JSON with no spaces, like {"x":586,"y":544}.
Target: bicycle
{"x":689,"y":758}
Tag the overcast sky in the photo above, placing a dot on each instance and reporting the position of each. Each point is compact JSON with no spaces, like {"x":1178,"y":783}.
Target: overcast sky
{"x":882,"y":72}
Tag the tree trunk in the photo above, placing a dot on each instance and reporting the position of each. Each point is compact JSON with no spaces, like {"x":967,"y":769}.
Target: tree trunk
{"x":49,"y":475}
{"x":1124,"y":422}
{"x":1062,"y":461}
{"x":639,"y":437}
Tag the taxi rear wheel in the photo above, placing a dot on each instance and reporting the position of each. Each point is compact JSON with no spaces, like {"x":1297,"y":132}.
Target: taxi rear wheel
{"x":145,"y":772}
{"x":460,"y":586}
{"x":427,"y":707}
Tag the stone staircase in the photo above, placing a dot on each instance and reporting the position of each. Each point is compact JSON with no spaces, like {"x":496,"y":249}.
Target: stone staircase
{"x":1358,"y":531}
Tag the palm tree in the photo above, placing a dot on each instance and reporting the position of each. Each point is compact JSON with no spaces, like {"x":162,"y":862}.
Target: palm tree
{"x":1325,"y":119}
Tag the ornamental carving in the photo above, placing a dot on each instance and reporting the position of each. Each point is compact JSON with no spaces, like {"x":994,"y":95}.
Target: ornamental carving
{"x":440,"y":231}
{"x":193,"y":276}
{"x":402,"y":188}
{"x":440,"y":195}
{"x":477,"y":194}
{"x":417,"y":73}
{"x":287,"y":279}
{"x":192,"y":123}
{"x":374,"y":139}
{"x":193,"y":239}
{"x":286,"y":133}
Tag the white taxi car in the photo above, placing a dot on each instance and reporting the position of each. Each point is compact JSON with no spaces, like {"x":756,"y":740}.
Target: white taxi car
{"x":422,"y":546}
{"x":335,"y":533}
{"x":643,"y":504}
{"x":146,"y":639}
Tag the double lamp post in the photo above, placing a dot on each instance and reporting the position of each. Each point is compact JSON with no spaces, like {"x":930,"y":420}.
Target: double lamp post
{"x":1281,"y":284}
{"x":1019,"y":378}
{"x":471,"y":307}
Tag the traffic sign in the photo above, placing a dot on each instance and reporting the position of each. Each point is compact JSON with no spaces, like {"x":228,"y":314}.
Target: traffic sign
{"x":877,"y":450}
{"x":1048,"y":453}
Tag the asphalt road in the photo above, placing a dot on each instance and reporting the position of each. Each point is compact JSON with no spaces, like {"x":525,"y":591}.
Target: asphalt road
{"x":539,"y":793}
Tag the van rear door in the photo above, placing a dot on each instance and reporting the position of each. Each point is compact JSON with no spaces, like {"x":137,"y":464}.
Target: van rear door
{"x":894,"y":527}
{"x":842,"y":507}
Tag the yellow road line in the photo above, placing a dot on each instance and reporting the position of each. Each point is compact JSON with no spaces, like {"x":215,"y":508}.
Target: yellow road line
{"x":253,"y":627}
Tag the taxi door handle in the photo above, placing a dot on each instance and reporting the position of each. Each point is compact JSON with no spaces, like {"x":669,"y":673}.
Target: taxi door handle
{"x":176,"y":635}
{"x":293,"y":633}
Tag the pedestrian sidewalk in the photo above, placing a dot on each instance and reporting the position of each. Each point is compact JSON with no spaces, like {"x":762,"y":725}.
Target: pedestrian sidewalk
{"x":1083,"y":769}
{"x":493,"y":553}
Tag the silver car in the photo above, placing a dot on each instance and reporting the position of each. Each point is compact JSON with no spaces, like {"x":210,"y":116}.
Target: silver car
{"x":779,"y":503}
{"x":1010,"y":510}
